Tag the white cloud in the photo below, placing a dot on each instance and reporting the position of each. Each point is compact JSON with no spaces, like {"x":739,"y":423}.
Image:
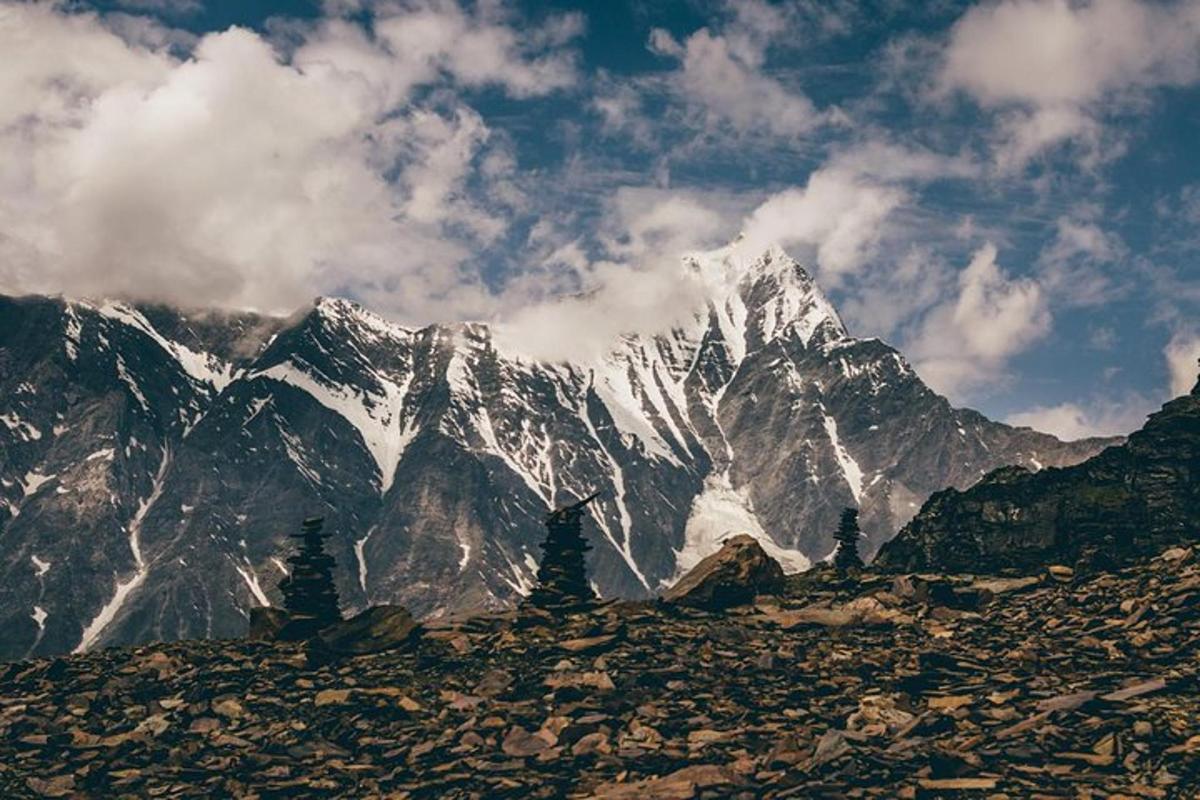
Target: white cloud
{"x":1023,"y":134}
{"x":1107,"y":417}
{"x":1076,"y":265}
{"x":1052,"y":65}
{"x":965,"y":341}
{"x":55,"y":63}
{"x":479,"y":51}
{"x":250,"y":176}
{"x":1182,"y":354}
{"x":1053,"y":53}
{"x":722,"y":76}
{"x":1070,"y":421}
{"x":838,"y":214}
{"x":639,"y":286}
{"x":887,"y":161}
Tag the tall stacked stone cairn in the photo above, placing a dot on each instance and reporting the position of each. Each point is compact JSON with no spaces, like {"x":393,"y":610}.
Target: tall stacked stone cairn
{"x":562,"y":575}
{"x":847,"y":536}
{"x":309,"y":594}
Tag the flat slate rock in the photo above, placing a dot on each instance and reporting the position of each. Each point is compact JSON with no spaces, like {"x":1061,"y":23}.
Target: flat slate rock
{"x":374,"y":630}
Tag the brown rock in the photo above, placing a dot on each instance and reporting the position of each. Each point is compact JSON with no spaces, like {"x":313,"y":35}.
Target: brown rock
{"x":1137,"y":690}
{"x":204,"y":725}
{"x":592,"y":743}
{"x":520,"y":743}
{"x":229,"y":708}
{"x":958,"y":783}
{"x":331,"y":697}
{"x":588,"y":644}
{"x":679,"y":785}
{"x":375,"y":630}
{"x":595,"y":680}
{"x":58,"y":786}
{"x":732,"y":576}
{"x":860,"y":611}
{"x":878,"y":714}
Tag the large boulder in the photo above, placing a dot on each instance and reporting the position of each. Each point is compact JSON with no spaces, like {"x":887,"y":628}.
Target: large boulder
{"x":377,"y":629}
{"x":732,"y":576}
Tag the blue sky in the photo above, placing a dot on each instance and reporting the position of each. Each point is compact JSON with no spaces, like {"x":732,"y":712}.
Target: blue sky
{"x":1008,"y":191}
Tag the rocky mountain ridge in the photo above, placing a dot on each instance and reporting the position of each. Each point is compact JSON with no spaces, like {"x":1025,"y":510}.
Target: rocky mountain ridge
{"x":1133,"y":499}
{"x":152,"y":460}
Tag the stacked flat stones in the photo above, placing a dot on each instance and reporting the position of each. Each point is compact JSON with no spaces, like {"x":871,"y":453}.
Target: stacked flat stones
{"x":562,"y":575}
{"x":308,"y":590}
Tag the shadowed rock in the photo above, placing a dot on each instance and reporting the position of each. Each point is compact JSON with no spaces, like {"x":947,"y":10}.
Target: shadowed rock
{"x":377,"y":629}
{"x":1129,"y":501}
{"x":732,"y":576}
{"x":266,"y":622}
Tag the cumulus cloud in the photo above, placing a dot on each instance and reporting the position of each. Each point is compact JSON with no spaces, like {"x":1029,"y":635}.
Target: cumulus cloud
{"x":1183,"y":354}
{"x":253,"y":175}
{"x":1107,"y":416}
{"x":638,"y":285}
{"x":1051,"y":65}
{"x":722,"y":74}
{"x":838,"y":215}
{"x":890,"y":297}
{"x":966,"y":341}
{"x":1053,"y":52}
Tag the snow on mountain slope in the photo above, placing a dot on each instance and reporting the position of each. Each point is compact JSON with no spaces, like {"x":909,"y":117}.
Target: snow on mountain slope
{"x":435,"y":453}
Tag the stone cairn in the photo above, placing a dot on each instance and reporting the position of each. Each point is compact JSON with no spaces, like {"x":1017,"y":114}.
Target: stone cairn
{"x":562,"y":575}
{"x":847,"y":535}
{"x":309,"y":594}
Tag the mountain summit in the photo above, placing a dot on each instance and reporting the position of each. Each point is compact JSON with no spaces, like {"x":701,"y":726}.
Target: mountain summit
{"x":152,"y":461}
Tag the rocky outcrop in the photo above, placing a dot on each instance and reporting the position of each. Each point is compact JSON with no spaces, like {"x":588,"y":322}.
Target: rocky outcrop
{"x":1131,"y":500}
{"x":734,"y":575}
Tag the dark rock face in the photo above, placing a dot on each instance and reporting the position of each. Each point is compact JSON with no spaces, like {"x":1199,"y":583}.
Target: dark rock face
{"x":152,"y":461}
{"x":734,"y":575}
{"x":1135,"y":499}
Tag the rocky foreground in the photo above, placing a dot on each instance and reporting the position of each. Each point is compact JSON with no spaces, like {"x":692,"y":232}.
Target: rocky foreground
{"x":1052,"y":686}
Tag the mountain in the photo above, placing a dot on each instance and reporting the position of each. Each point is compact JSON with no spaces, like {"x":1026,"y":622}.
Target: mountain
{"x":152,"y":460}
{"x":1133,"y":499}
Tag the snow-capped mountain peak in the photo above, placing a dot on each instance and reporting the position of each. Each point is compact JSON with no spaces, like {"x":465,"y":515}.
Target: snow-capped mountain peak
{"x":757,"y":297}
{"x":153,"y":461}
